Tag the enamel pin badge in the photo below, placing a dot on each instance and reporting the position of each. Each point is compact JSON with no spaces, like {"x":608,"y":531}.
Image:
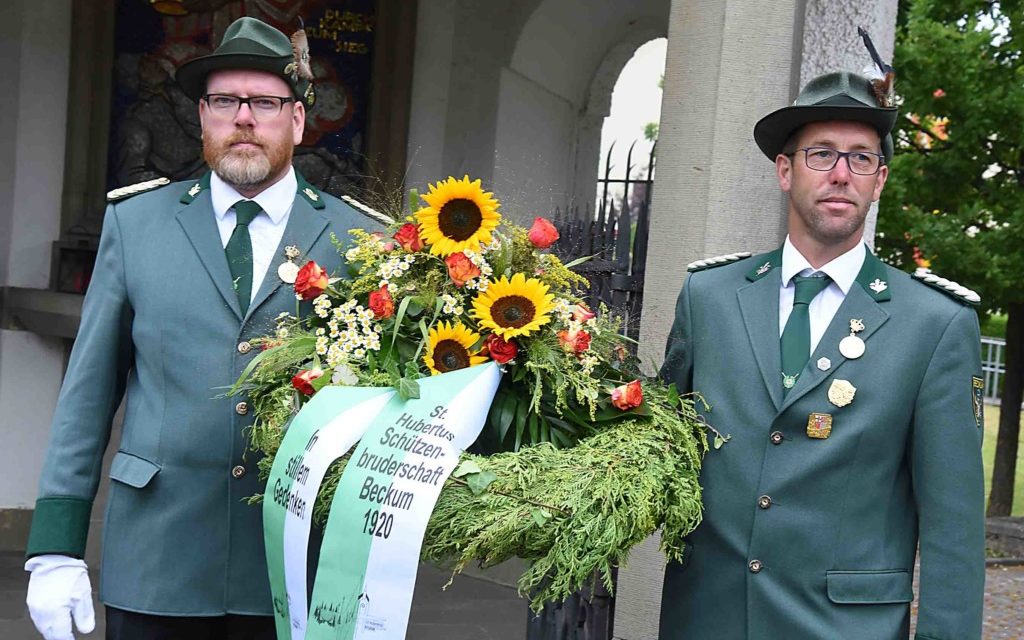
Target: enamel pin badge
{"x":819,"y":426}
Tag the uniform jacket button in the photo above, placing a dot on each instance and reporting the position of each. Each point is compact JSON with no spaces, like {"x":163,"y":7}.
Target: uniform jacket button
{"x":764,"y":502}
{"x":755,"y":566}
{"x":244,"y":347}
{"x":776,"y":437}
{"x":242,"y":408}
{"x":237,"y":472}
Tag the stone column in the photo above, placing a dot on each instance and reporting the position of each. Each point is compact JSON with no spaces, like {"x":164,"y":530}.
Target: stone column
{"x":35,"y":39}
{"x":729,"y":63}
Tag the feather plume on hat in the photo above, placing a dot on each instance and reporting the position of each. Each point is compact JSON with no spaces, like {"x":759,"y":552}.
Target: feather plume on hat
{"x":300,"y":49}
{"x":881,"y":75}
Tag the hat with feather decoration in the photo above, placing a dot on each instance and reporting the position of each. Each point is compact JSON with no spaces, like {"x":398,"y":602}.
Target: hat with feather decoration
{"x":839,"y":95}
{"x":249,"y":43}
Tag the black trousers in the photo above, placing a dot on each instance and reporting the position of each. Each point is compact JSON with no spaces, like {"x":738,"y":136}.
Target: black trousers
{"x":128,"y":625}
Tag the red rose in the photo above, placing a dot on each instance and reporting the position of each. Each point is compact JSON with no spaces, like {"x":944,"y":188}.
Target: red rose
{"x":311,"y":281}
{"x":574,"y":341}
{"x":304,"y":380}
{"x":381,"y":303}
{"x":500,"y":350}
{"x":409,"y":237}
{"x":543,"y":234}
{"x":582,"y":313}
{"x":628,"y":396}
{"x":461,"y":269}
{"x":938,"y":93}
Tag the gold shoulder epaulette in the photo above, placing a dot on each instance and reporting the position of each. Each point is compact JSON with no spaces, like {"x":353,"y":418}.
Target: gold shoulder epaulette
{"x":950,"y":288}
{"x":123,"y":192}
{"x":368,"y":211}
{"x":717,"y":261}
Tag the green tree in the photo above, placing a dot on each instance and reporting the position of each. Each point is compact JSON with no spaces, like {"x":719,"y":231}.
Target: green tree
{"x":955,"y":196}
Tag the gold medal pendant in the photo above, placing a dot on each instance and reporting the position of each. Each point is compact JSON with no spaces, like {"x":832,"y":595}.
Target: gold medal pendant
{"x":852,"y":347}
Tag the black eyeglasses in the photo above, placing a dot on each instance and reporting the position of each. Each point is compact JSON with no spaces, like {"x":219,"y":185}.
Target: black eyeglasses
{"x":263,"y":107}
{"x":863,"y":163}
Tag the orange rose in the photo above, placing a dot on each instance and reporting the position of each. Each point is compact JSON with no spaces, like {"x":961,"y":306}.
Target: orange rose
{"x":304,"y":380}
{"x":543,"y":234}
{"x":628,"y":396}
{"x":582,"y":313}
{"x":381,"y":303}
{"x":311,"y":281}
{"x":409,"y":237}
{"x":461,"y":269}
{"x":574,"y":341}
{"x":501,"y":351}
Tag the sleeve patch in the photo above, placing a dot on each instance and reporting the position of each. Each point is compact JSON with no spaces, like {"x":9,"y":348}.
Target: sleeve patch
{"x":978,"y":398}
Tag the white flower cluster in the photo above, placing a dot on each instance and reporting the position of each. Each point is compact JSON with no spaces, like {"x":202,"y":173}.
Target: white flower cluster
{"x":350,"y":333}
{"x":494,"y":245}
{"x":563,"y":310}
{"x":452,"y":305}
{"x":322,"y":306}
{"x":394,"y":268}
{"x":479,"y":283}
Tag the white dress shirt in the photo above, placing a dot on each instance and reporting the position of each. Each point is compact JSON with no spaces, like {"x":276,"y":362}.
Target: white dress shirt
{"x":843,"y":270}
{"x":266,"y":229}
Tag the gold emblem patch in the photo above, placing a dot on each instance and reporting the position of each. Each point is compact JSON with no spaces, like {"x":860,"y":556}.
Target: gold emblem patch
{"x":841,"y":392}
{"x":819,"y":425}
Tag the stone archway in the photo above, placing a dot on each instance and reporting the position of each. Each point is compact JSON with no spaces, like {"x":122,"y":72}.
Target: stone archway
{"x":555,"y":92}
{"x":598,"y":106}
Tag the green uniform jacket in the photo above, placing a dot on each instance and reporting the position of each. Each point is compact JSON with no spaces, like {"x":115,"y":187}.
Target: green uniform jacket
{"x":833,"y":523}
{"x":162,"y":322}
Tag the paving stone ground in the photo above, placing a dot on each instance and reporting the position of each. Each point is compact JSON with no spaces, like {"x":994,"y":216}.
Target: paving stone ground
{"x":474,"y":609}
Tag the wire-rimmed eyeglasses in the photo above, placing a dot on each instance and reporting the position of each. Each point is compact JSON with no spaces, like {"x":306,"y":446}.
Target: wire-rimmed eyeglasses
{"x":263,"y":108}
{"x":863,"y":163}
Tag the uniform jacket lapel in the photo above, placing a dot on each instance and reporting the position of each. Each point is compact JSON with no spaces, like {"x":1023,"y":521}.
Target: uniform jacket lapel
{"x":304,"y":228}
{"x":861,"y":303}
{"x":197,"y":219}
{"x":759,"y":307}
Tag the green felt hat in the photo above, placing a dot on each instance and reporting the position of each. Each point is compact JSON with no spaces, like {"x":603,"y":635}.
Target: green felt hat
{"x":252,"y":44}
{"x":834,"y":96}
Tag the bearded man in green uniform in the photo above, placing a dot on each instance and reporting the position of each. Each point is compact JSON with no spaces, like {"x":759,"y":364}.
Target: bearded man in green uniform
{"x":851,"y":392}
{"x":185,"y":276}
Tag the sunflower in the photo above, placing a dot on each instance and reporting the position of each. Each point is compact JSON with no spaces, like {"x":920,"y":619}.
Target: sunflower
{"x":460,"y":216}
{"x":448,"y":348}
{"x":514,"y":307}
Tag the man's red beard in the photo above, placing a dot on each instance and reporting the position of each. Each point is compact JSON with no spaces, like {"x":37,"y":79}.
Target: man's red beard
{"x":247,"y":168}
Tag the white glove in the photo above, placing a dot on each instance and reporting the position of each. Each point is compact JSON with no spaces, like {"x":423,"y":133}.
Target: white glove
{"x":58,"y":591}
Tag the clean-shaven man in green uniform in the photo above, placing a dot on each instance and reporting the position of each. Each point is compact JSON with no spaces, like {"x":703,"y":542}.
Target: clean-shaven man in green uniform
{"x":186,"y":275}
{"x":852,"y":394}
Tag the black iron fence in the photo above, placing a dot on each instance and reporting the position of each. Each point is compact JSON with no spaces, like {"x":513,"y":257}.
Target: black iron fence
{"x":613,"y":233}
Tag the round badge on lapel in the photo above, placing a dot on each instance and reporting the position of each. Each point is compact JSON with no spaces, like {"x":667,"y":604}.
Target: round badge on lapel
{"x":288,"y":271}
{"x":851,"y":347}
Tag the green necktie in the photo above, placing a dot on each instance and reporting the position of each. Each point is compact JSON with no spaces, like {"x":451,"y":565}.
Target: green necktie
{"x":796,"y":337}
{"x":239,"y":251}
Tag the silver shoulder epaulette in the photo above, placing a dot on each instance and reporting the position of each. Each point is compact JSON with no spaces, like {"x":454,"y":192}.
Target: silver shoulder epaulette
{"x":950,"y":288}
{"x":717,"y":261}
{"x":121,"y":193}
{"x":368,"y":211}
